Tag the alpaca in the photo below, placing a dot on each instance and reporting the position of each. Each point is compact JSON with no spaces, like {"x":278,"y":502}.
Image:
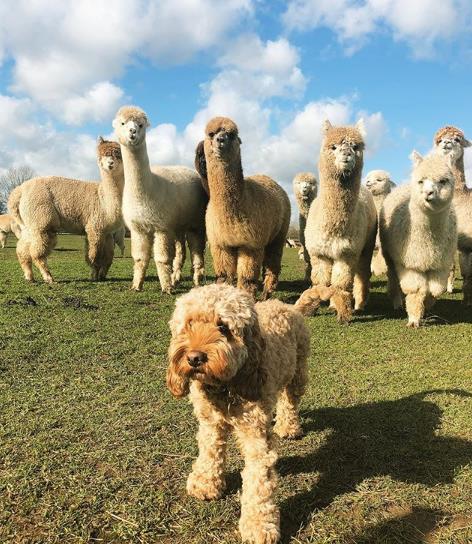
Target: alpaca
{"x":8,"y":225}
{"x":119,"y":239}
{"x":69,"y":205}
{"x":380,"y":185}
{"x":247,"y":219}
{"x":161,"y":205}
{"x":451,"y":142}
{"x":341,"y":226}
{"x":305,"y":188}
{"x":418,"y":231}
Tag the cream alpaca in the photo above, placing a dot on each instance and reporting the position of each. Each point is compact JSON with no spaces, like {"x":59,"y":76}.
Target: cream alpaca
{"x":247,"y":218}
{"x":341,"y":226}
{"x":68,"y":205}
{"x":451,"y":142}
{"x":419,"y":235}
{"x":305,"y":188}
{"x":160,"y":204}
{"x":380,"y":185}
{"x":8,"y":225}
{"x":240,"y":362}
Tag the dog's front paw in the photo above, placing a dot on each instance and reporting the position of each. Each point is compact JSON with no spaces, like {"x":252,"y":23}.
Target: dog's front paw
{"x":259,"y":531}
{"x":203,"y":487}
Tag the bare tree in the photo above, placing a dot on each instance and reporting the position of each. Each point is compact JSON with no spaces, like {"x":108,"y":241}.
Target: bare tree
{"x":11,"y":179}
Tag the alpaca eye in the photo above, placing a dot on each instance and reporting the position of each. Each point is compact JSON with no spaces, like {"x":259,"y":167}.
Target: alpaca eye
{"x":443,"y":181}
{"x":420,"y":182}
{"x":333,"y":147}
{"x":140,"y":125}
{"x":211,"y":134}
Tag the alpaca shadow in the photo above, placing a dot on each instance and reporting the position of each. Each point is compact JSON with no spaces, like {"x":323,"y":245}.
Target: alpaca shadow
{"x":415,"y":526}
{"x":390,"y":438}
{"x":61,"y":249}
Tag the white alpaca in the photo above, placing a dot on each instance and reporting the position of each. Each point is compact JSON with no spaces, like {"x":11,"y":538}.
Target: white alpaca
{"x":161,"y":205}
{"x":341,"y":226}
{"x":418,"y":232}
{"x":305,"y":189}
{"x":7,"y":226}
{"x":380,"y":185}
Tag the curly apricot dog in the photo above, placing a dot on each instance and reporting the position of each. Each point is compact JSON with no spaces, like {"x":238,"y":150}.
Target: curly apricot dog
{"x":239,"y":361}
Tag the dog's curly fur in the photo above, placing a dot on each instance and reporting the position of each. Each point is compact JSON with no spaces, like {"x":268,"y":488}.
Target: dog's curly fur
{"x":251,"y":358}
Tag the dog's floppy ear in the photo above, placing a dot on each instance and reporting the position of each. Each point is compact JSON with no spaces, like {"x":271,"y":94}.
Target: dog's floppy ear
{"x":249,"y":380}
{"x":177,"y":383}
{"x":201,"y":166}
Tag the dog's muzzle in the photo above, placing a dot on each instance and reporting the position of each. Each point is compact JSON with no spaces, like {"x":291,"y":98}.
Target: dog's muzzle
{"x":196,"y":358}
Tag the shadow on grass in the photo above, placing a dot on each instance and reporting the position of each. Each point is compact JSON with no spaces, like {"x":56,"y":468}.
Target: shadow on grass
{"x":391,"y":438}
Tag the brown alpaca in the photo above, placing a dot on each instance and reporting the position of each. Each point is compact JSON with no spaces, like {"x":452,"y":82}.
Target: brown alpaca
{"x":341,"y":226}
{"x":247,"y":218}
{"x":450,"y":142}
{"x":45,"y":206}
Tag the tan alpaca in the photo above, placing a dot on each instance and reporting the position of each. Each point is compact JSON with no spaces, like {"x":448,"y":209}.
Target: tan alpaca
{"x":45,"y":206}
{"x":380,"y":185}
{"x":161,"y":206}
{"x":451,"y":142}
{"x":341,"y":226}
{"x":247,"y":218}
{"x":305,"y":189}
{"x":7,"y":226}
{"x":418,"y":231}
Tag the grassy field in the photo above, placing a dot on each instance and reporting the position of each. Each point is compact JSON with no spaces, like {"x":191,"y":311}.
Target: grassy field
{"x":93,"y":449}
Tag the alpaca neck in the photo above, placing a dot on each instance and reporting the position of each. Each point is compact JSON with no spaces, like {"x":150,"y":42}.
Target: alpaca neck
{"x":110,"y":192}
{"x":137,"y":170}
{"x":338,"y":194}
{"x":226,"y":183}
{"x":459,"y":175}
{"x":422,"y":219}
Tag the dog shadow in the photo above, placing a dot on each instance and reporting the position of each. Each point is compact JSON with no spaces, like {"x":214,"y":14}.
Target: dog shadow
{"x":390,"y":438}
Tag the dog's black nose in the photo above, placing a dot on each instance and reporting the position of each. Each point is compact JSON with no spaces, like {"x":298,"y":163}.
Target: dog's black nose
{"x":196,"y":358}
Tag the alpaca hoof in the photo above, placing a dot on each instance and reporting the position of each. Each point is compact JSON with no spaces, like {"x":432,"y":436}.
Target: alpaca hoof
{"x":137,"y":288}
{"x":205,"y":488}
{"x":413,"y":324}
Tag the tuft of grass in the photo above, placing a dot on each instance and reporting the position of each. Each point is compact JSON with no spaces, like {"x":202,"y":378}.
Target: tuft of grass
{"x":93,"y":449}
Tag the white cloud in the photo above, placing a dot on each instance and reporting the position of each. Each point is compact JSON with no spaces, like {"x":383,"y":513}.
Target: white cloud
{"x":61,"y":51}
{"x":420,"y":23}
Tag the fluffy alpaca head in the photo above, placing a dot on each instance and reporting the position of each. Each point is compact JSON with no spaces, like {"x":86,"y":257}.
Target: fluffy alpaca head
{"x":109,"y":155}
{"x":222,"y":139}
{"x":432,"y":182}
{"x":305,"y":185}
{"x":215,"y":340}
{"x":343,"y":147}
{"x":379,"y":183}
{"x":450,"y":142}
{"x":130,"y":124}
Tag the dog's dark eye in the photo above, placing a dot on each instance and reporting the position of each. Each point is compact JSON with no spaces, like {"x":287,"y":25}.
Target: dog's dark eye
{"x":222,"y":327}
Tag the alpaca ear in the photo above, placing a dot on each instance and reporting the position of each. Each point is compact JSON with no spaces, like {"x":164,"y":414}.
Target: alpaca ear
{"x":249,"y":381}
{"x":326,"y":126}
{"x":239,"y":140}
{"x":100,"y":140}
{"x":466,"y":143}
{"x":147,"y":124}
{"x":360,"y":125}
{"x":416,"y":158}
{"x":392,"y":184}
{"x":114,"y":123}
{"x":201,"y":166}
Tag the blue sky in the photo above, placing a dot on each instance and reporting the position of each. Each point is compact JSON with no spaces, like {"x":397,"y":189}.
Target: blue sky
{"x":277,"y":68}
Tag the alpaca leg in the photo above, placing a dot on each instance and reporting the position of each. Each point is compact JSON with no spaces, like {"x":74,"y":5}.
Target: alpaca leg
{"x":225,"y":261}
{"x":311,"y":298}
{"x":342,"y":283}
{"x":306,"y":255}
{"x":379,"y":266}
{"x":41,"y":245}
{"x":107,"y":253}
{"x":415,"y":307}
{"x":196,"y":242}
{"x":179,"y":259}
{"x":24,"y":256}
{"x":164,"y":252}
{"x":249,"y":267}
{"x":451,"y":278}
{"x":466,"y":270}
{"x":3,"y":239}
{"x":206,"y":481}
{"x":92,"y":255}
{"x":260,"y":519}
{"x":141,"y":247}
{"x":465,"y":263}
{"x":272,"y":265}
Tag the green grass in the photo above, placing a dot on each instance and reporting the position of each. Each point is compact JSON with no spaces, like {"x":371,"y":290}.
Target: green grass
{"x":93,"y":449}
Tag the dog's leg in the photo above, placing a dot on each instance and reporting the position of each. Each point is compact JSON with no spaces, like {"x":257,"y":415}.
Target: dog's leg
{"x":260,"y":517}
{"x":206,"y":481}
